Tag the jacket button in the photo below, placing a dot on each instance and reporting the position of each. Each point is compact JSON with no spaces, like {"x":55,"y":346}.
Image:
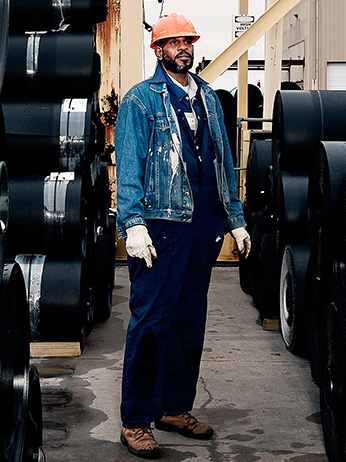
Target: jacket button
{"x":186,"y":193}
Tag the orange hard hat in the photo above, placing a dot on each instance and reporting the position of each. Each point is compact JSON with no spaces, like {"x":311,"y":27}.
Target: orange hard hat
{"x":172,"y":25}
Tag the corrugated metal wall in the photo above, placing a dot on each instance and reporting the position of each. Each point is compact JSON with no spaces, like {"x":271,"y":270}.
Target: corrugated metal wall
{"x":332,"y":35}
{"x":315,"y":30}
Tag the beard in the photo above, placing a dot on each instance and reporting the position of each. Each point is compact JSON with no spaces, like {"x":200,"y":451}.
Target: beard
{"x":172,"y":66}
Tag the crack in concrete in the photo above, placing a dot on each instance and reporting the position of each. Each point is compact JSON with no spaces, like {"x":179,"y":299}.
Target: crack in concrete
{"x":210,"y":399}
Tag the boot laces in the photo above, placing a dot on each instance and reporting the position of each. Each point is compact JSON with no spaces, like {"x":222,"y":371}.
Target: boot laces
{"x":141,"y":432}
{"x":190,"y":419}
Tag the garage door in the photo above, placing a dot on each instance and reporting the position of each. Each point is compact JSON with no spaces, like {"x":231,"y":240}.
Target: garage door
{"x":336,"y":76}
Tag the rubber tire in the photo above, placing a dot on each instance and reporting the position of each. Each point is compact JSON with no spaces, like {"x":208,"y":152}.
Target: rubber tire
{"x":4,"y":33}
{"x":244,"y":264}
{"x":14,"y":363}
{"x":325,"y":180}
{"x":292,"y":297}
{"x":269,"y":278}
{"x":314,"y":302}
{"x":291,"y":205}
{"x":33,"y":451}
{"x":332,"y":389}
{"x":259,"y":160}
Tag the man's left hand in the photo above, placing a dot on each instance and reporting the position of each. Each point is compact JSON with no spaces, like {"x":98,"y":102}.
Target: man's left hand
{"x":243,"y":240}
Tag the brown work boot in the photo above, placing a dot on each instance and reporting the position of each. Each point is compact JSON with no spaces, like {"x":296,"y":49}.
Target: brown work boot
{"x":186,"y":425}
{"x":141,"y":442}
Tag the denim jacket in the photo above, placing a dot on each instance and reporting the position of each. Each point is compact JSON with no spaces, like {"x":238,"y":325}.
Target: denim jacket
{"x":152,"y":180}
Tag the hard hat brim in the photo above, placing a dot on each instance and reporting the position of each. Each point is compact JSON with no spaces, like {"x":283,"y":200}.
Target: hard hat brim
{"x":154,"y":43}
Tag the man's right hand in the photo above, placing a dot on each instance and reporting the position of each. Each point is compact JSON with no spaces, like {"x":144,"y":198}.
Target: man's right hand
{"x":139,"y":244}
{"x":242,"y":239}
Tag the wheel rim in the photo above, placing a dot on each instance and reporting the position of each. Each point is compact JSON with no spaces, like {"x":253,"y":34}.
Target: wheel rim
{"x":33,"y":435}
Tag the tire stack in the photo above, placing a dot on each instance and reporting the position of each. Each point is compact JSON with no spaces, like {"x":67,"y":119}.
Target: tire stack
{"x":61,"y":232}
{"x":229,"y":102}
{"x":20,"y":392}
{"x":259,"y":271}
{"x":307,"y":221}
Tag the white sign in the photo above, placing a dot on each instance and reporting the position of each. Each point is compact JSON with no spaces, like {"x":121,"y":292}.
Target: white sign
{"x":241,"y":23}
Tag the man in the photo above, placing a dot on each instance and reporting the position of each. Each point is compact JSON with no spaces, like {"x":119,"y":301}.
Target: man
{"x":176,"y":199}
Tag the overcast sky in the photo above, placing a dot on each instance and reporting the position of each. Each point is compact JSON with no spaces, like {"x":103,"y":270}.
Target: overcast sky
{"x":213,"y":21}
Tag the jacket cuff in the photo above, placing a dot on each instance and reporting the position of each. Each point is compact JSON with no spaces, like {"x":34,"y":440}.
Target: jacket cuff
{"x":121,"y":228}
{"x":236,"y":222}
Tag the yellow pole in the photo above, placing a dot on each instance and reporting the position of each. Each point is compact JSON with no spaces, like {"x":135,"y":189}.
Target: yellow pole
{"x":242,"y":104}
{"x":131,"y":43}
{"x":221,"y":63}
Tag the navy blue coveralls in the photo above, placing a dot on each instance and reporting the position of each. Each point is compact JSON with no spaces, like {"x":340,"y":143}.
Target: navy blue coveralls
{"x":168,"y":302}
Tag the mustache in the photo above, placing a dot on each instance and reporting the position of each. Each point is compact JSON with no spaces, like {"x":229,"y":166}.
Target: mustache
{"x":183,"y":54}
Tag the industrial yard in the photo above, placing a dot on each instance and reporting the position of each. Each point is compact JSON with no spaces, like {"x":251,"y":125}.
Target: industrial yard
{"x":273,"y":377}
{"x":260,"y":399}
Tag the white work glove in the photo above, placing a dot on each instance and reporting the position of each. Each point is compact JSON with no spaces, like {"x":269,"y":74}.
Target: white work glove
{"x":243,"y":240}
{"x":139,"y":244}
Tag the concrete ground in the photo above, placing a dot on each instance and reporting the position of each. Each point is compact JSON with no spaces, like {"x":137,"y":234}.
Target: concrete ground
{"x":259,"y":398}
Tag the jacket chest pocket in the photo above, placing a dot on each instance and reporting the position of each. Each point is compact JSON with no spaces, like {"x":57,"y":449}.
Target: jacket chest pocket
{"x":161,"y":132}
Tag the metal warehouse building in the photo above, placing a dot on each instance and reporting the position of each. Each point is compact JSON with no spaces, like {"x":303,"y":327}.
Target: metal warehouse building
{"x":314,"y":32}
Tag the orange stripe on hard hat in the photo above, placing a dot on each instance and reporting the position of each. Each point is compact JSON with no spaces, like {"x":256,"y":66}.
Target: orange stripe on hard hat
{"x":173,"y":25}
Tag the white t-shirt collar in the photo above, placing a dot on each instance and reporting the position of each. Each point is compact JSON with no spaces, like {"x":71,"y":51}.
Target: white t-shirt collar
{"x":191,"y":88}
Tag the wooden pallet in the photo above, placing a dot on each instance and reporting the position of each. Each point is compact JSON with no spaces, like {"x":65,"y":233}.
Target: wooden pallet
{"x":54,"y":349}
{"x":271,"y":324}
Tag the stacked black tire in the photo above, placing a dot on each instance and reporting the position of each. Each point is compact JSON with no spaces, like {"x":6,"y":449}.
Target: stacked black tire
{"x":61,"y":231}
{"x":229,"y":101}
{"x":20,"y":392}
{"x":298,"y":195}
